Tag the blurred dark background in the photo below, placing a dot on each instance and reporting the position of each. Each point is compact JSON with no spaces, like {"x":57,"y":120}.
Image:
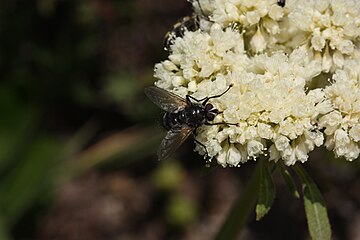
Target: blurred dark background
{"x":78,"y":136}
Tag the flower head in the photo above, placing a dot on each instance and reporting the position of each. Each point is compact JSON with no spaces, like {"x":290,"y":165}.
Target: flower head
{"x":342,"y":126}
{"x":274,"y":57}
{"x":269,"y":100}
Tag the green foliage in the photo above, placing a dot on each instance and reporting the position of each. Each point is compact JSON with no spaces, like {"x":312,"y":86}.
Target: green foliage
{"x":267,"y":191}
{"x":4,"y":235}
{"x":315,"y":207}
{"x":30,"y":180}
{"x":181,"y":211}
{"x":241,"y":208}
{"x":289,"y":181}
{"x":17,"y":125}
{"x":52,"y":66}
{"x":262,"y":186}
{"x":28,"y":158}
{"x":168,"y":176}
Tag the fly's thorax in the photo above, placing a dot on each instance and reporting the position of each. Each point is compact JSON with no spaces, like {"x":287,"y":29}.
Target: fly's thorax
{"x":195,"y":115}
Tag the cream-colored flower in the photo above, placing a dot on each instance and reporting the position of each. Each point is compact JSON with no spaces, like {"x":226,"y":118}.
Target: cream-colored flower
{"x":274,"y":58}
{"x":245,"y":12}
{"x":269,"y":100}
{"x":258,"y":20}
{"x":342,"y":126}
{"x":199,"y":57}
{"x":330,"y":27}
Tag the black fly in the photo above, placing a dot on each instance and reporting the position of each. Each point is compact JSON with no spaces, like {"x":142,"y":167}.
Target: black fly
{"x":182,"y":117}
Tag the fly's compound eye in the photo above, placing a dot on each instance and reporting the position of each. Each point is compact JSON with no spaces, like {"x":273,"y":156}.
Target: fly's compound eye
{"x":209,"y":107}
{"x":210,"y":116}
{"x":211,"y":112}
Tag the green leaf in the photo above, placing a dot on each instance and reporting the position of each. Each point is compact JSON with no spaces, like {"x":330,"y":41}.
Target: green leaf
{"x":267,"y":191}
{"x":241,"y":209}
{"x":289,"y":181}
{"x":315,"y":208}
{"x":16,"y":127}
{"x":30,"y":180}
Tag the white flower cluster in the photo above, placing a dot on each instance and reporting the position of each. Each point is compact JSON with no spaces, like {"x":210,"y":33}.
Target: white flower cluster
{"x":330,"y":27}
{"x":282,"y":106}
{"x":259,"y":20}
{"x":342,"y":126}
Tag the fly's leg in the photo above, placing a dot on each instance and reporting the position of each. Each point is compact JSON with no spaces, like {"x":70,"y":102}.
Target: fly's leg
{"x":219,"y":123}
{"x":217,"y":96}
{"x":189,"y":98}
{"x":206,"y":99}
{"x":201,"y":10}
{"x":206,"y":152}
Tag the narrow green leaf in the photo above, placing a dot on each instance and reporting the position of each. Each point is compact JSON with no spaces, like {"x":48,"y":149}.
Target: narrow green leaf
{"x":315,"y":208}
{"x":241,"y":209}
{"x":289,"y":181}
{"x":267,"y":191}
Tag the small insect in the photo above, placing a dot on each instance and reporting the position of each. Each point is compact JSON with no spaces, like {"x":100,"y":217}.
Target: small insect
{"x":188,"y":23}
{"x":281,"y":3}
{"x":182,"y":117}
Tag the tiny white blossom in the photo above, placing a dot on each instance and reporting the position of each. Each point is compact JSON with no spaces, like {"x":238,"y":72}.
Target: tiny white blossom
{"x":329,"y":25}
{"x":258,"y":42}
{"x":229,"y":155}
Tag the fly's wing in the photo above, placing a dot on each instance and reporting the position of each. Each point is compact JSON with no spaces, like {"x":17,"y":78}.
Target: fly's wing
{"x":164,"y":99}
{"x":172,"y":141}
